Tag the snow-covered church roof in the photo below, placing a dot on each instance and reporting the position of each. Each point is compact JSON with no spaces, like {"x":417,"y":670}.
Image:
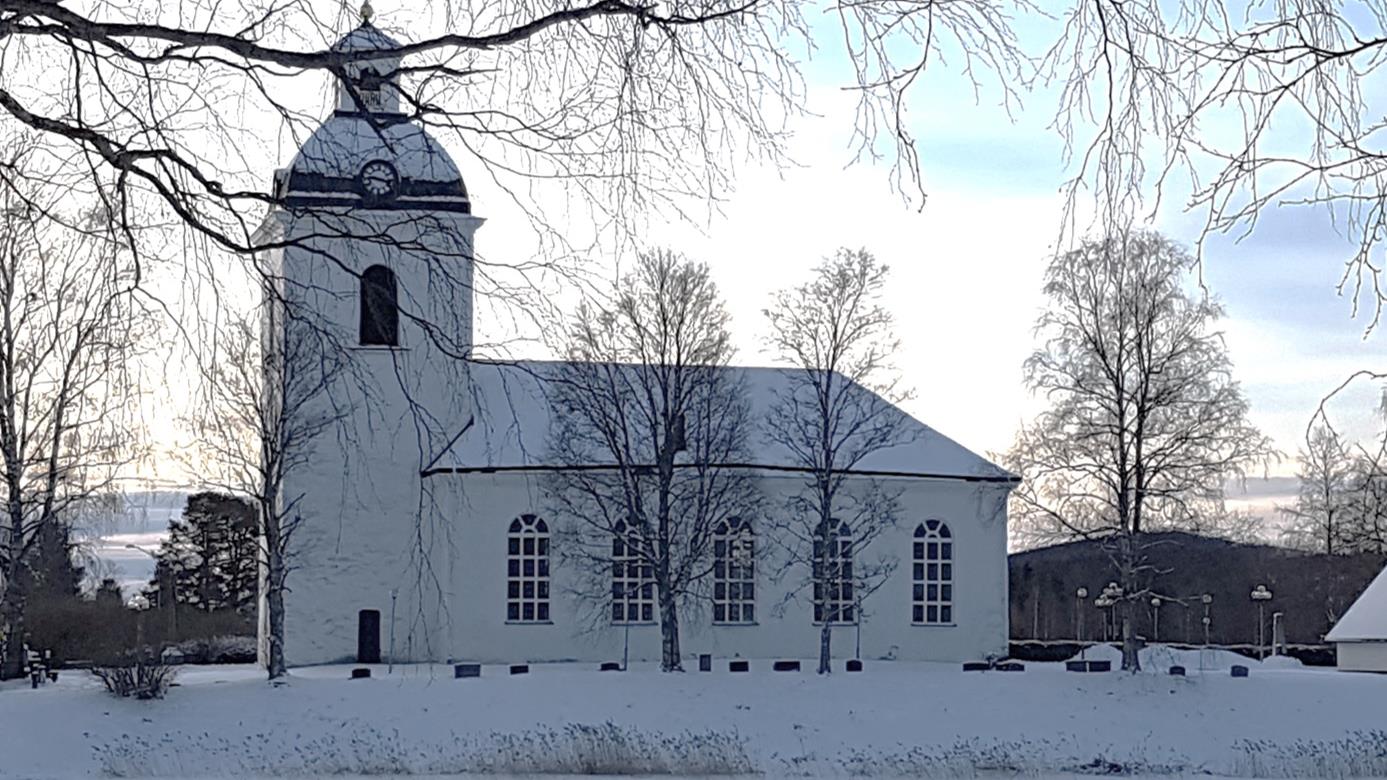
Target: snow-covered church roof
{"x":1366,"y":620}
{"x":512,"y":419}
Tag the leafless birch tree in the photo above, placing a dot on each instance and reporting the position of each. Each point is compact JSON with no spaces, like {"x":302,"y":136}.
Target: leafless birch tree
{"x":268,"y":399}
{"x":837,"y":408}
{"x":1323,"y":505}
{"x":1145,"y":422}
{"x":70,"y":323}
{"x":655,"y":424}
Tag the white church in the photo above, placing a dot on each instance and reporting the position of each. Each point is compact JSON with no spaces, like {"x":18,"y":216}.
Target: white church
{"x":425,"y":531}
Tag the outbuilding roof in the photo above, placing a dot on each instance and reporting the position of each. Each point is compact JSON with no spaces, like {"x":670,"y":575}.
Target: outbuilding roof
{"x":1366,"y":620}
{"x":512,"y":420}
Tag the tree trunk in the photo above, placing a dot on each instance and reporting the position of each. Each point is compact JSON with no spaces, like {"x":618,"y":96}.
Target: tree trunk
{"x":1131,"y":661}
{"x":1127,"y":568}
{"x":12,"y":619}
{"x":826,"y":647}
{"x":670,"y":660}
{"x":274,"y":604}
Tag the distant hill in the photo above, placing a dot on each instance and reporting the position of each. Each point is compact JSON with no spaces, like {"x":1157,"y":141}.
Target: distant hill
{"x":137,"y":512}
{"x":1312,"y":590}
{"x":141,"y":520}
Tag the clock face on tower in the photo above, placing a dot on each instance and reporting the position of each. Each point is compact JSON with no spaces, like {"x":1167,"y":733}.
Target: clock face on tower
{"x":379,"y":180}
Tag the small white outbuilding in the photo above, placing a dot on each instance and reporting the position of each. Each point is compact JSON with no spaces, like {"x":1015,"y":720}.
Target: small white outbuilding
{"x":1360,"y":636}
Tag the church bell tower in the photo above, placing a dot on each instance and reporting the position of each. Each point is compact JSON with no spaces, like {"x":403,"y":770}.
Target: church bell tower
{"x":369,"y":266}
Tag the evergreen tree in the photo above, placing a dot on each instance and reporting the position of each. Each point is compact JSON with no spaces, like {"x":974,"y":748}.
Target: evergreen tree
{"x":49,"y":567}
{"x":211,"y":555}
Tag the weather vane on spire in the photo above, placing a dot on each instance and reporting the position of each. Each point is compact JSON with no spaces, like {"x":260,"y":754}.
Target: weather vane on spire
{"x":367,"y":12}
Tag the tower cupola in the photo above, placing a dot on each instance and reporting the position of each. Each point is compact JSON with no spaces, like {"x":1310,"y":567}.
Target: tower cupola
{"x":370,"y":153}
{"x":370,"y":85}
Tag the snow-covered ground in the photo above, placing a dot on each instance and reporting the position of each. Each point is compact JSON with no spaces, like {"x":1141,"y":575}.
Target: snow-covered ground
{"x":893,"y":720}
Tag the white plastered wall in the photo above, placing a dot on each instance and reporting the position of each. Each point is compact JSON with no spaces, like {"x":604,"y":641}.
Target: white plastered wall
{"x":1362,"y":656}
{"x":974,"y":511}
{"x":369,"y":526}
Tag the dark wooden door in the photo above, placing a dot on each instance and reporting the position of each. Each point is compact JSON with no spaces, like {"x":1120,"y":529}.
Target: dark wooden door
{"x":368,"y":636}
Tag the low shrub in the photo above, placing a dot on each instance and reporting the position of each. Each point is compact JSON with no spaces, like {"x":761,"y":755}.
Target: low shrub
{"x":142,"y":678}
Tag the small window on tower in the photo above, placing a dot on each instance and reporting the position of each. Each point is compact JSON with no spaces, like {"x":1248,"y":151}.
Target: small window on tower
{"x":368,"y":90}
{"x":380,"y":315}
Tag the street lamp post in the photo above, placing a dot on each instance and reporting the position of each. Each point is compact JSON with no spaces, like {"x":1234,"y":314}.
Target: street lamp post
{"x":1079,"y":596}
{"x":166,"y":591}
{"x":1113,"y":593}
{"x":1260,"y":596}
{"x":1103,"y":603}
{"x":139,"y":603}
{"x":1155,"y":618}
{"x":1208,"y":599}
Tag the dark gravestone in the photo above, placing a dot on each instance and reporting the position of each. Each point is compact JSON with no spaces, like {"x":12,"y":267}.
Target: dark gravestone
{"x":705,"y":663}
{"x":1177,"y":671}
{"x":361,"y":674}
{"x":976,"y":666}
{"x":1011,"y":666}
{"x":368,"y":636}
{"x":786,"y":666}
{"x":1100,"y":666}
{"x":609,"y":666}
{"x":461,"y":671}
{"x":1239,"y":671}
{"x":1076,"y":666}
{"x":738,"y":666}
{"x":519,"y":668}
{"x":854,"y":665}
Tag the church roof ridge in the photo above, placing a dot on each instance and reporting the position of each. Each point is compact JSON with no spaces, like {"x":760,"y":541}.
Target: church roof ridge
{"x":512,"y":423}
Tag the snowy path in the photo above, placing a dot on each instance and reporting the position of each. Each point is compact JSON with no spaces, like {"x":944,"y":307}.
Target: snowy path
{"x":894,"y":720}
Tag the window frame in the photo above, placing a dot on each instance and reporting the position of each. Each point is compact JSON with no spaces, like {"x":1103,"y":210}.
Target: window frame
{"x":528,"y":528}
{"x":632,"y":579}
{"x":734,"y":571}
{"x":932,"y":559}
{"x":844,"y":587}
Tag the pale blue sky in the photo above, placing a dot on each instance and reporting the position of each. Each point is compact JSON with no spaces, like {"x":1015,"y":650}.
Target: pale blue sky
{"x":968,"y":266}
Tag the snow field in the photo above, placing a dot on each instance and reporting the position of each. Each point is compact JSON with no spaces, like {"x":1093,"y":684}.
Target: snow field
{"x":894,"y":720}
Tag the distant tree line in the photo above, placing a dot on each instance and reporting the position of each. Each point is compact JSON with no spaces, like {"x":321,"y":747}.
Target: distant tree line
{"x":1341,"y":507}
{"x":1310,"y":590}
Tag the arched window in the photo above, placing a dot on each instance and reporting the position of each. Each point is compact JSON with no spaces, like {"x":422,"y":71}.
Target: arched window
{"x":527,"y":571}
{"x":833,"y":586}
{"x":380,"y":314}
{"x":932,"y":602}
{"x":633,"y":579}
{"x":734,"y":572}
